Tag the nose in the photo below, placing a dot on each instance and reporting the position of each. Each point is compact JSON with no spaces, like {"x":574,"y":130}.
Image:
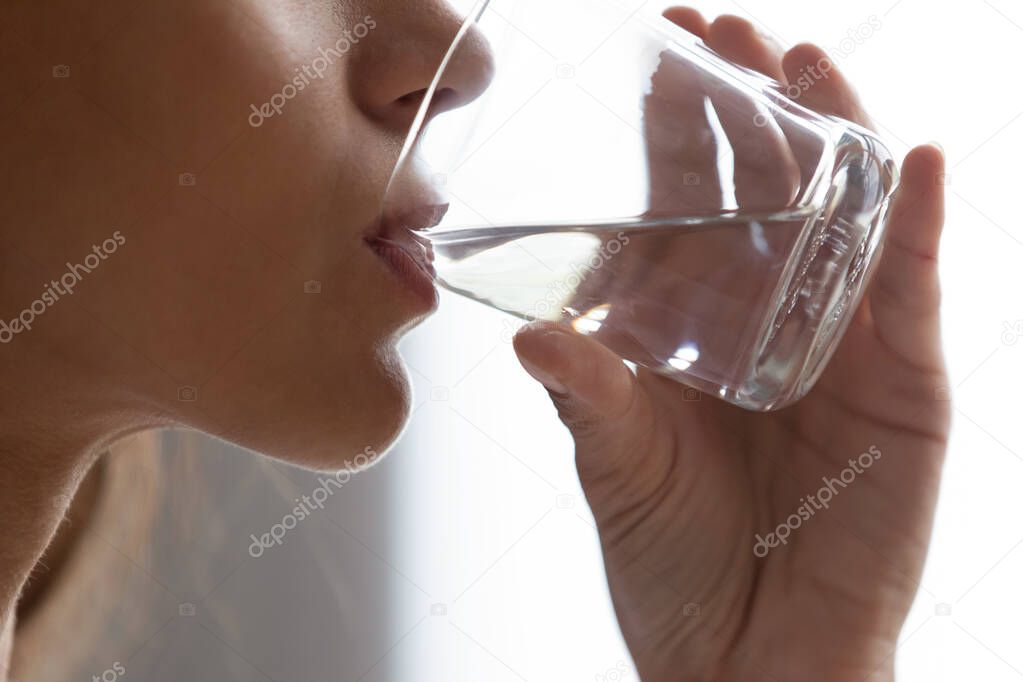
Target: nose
{"x":394,"y":67}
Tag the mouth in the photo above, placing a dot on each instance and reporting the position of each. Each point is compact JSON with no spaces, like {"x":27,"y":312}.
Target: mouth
{"x":407,"y":255}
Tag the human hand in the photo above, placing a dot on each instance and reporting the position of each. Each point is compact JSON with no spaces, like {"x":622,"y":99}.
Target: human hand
{"x":682,"y":489}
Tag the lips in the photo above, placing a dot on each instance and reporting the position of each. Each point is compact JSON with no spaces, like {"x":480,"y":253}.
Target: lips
{"x":408,"y":255}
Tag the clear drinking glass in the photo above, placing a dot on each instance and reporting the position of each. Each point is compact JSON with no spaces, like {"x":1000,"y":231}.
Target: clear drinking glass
{"x":619,"y":176}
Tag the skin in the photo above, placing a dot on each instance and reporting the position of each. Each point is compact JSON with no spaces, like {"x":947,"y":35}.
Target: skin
{"x":201,"y":319}
{"x":681,"y":489}
{"x":205,"y":299}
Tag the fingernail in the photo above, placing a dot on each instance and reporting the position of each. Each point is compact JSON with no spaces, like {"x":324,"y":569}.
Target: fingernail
{"x":554,"y":353}
{"x":550,"y":382}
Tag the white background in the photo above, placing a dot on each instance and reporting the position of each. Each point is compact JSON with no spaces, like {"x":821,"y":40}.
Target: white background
{"x":479,"y":472}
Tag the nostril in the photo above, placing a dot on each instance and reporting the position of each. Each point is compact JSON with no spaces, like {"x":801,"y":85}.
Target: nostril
{"x":445,"y":99}
{"x":412,"y":99}
{"x":390,"y":79}
{"x":407,"y":106}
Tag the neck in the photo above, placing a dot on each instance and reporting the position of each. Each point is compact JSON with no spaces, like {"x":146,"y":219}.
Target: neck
{"x":38,"y":478}
{"x":54,"y":424}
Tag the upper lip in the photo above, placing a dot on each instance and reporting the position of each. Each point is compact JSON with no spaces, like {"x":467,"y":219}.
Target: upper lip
{"x":399,"y":229}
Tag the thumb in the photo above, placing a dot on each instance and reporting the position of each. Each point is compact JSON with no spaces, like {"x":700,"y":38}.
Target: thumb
{"x":905,"y":297}
{"x":598,"y":398}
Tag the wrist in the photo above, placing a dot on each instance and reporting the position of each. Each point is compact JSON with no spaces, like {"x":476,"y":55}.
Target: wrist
{"x":808,"y":670}
{"x":748,"y":672}
{"x":792,"y":665}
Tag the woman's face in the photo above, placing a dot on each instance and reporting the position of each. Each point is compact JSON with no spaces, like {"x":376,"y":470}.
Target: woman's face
{"x":239,"y":149}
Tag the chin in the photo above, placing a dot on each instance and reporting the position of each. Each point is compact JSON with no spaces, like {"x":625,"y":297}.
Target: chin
{"x":374,"y":418}
{"x":326,"y":418}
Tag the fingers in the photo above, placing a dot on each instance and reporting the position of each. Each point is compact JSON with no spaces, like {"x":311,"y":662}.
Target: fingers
{"x":588,"y":381}
{"x":689,"y":19}
{"x":737,"y":40}
{"x":599,"y":399}
{"x":905,"y":294}
{"x":819,"y":85}
{"x":733,"y":38}
{"x":766,"y":174}
{"x":681,"y":143}
{"x":822,"y":87}
{"x":917,"y":213}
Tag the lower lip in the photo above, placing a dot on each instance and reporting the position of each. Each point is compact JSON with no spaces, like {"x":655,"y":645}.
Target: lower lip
{"x":411,"y":273}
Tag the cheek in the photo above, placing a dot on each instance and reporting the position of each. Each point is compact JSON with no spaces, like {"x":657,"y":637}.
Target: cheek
{"x":307,"y":185}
